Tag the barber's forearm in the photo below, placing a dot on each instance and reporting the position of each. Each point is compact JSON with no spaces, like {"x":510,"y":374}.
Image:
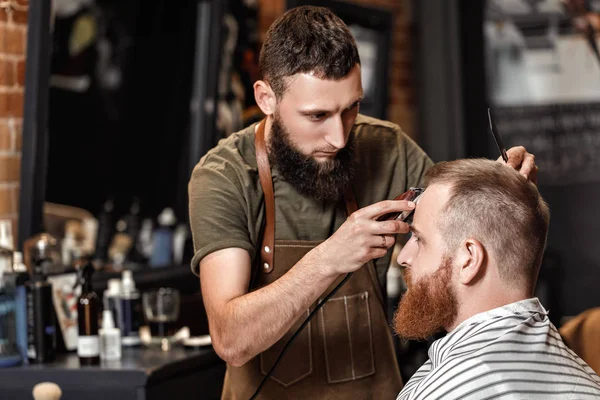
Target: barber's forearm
{"x":252,"y":323}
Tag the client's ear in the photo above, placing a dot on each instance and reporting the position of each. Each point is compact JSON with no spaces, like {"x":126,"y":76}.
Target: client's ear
{"x":471,"y":256}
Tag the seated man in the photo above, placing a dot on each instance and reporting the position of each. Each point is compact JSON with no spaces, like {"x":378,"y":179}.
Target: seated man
{"x":471,"y":265}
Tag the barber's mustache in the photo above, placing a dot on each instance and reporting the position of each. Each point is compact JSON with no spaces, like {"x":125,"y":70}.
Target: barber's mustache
{"x":329,"y":150}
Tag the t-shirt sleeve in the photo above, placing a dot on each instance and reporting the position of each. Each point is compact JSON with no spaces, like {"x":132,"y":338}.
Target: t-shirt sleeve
{"x":217,"y":209}
{"x":417,"y":162}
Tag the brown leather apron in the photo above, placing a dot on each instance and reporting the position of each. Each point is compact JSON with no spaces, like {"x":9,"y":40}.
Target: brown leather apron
{"x":345,"y":352}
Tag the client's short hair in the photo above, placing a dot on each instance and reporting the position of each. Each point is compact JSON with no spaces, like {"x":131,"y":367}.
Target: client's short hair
{"x":496,"y":205}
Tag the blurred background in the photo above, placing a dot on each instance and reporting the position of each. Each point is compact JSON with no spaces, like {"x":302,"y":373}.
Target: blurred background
{"x":106,"y":107}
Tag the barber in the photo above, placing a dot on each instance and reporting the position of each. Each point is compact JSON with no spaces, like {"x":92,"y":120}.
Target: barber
{"x":275,"y":217}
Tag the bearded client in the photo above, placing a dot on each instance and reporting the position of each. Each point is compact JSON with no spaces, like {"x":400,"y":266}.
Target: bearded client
{"x":478,"y":235}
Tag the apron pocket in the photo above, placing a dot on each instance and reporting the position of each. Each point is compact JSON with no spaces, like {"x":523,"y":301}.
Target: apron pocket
{"x":296,"y":364}
{"x":347,"y":338}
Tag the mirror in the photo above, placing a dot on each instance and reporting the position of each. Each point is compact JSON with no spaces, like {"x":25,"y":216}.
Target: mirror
{"x":127,"y":104}
{"x":130,"y":98}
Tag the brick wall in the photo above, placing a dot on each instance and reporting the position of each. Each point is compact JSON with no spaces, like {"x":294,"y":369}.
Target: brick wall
{"x":401,"y":109}
{"x":13,"y":38}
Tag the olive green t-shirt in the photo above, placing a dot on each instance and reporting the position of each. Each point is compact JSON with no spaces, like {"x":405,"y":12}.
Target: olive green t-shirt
{"x":227,"y":203}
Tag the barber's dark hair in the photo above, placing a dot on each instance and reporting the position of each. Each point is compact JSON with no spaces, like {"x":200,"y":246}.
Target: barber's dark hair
{"x":499,"y":207}
{"x":307,"y":39}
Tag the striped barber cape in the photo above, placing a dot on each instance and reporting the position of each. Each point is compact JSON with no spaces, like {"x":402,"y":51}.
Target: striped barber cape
{"x":511,"y":352}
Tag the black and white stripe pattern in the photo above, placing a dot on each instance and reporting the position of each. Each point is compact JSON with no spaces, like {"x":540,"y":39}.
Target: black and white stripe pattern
{"x":511,"y":352}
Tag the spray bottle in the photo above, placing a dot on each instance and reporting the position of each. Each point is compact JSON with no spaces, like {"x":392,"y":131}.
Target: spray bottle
{"x":131,"y":317}
{"x":110,"y":338}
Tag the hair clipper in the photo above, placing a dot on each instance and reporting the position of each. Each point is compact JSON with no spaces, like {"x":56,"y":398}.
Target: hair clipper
{"x":413,"y":194}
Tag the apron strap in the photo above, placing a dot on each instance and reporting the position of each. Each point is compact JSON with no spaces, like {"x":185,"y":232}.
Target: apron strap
{"x":266,"y":181}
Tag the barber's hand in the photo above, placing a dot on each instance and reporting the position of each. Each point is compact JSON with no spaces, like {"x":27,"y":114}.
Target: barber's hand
{"x":362,"y":238}
{"x":522,"y":161}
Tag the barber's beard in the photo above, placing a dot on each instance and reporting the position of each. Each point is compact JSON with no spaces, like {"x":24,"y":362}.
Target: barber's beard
{"x":323,"y":181}
{"x":428,"y":306}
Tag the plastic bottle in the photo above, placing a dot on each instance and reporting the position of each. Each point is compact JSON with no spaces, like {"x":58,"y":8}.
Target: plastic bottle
{"x":110,"y":338}
{"x":68,"y":248}
{"x":144,"y":243}
{"x":110,"y":299}
{"x":9,"y":350}
{"x":22,"y":277}
{"x":6,"y":246}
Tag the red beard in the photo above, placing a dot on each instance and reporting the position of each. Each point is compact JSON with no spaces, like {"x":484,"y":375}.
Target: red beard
{"x":428,"y":306}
